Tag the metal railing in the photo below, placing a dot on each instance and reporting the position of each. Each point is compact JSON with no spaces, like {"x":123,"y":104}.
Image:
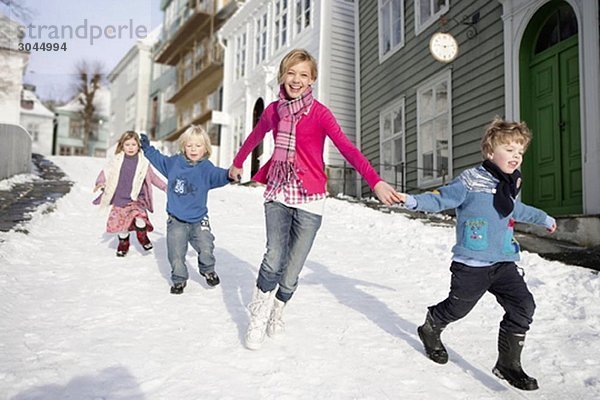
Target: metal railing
{"x":196,"y":6}
{"x":342,"y":179}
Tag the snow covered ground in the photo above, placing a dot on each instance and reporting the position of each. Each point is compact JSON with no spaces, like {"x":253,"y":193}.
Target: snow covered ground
{"x":76,"y":322}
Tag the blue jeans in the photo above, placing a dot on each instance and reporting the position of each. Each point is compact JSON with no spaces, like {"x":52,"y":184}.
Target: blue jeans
{"x":290,"y":235}
{"x":179,"y":233}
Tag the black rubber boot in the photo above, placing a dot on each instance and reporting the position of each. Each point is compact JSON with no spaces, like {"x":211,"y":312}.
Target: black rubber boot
{"x":430,"y":333}
{"x":508,"y":365}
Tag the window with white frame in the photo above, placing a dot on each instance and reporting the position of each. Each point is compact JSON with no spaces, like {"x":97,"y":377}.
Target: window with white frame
{"x":167,"y":110}
{"x":238,"y":133}
{"x":170,"y":13}
{"x":434,"y":130}
{"x":302,"y":13}
{"x":428,"y":11}
{"x":130,"y":109}
{"x":240,"y":56}
{"x":131,"y":69}
{"x":199,"y":56}
{"x":280,"y":26}
{"x":391,"y":27}
{"x":213,"y":100}
{"x":33,"y":130}
{"x":391,"y":143}
{"x":197,"y":109}
{"x":186,"y":68}
{"x":156,"y":71}
{"x":261,"y":39}
{"x":75,"y":128}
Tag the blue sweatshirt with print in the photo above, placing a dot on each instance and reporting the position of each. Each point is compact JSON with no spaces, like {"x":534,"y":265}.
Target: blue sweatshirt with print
{"x":481,"y":233}
{"x":188,"y":183}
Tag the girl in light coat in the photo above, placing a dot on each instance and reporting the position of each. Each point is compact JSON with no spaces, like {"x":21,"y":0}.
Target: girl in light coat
{"x":125,"y":184}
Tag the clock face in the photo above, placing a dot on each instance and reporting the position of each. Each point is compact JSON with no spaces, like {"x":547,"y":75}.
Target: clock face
{"x":443,"y":47}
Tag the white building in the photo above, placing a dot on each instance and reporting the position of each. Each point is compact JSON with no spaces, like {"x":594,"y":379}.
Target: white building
{"x":69,"y":127}
{"x":37,"y":120}
{"x":257,"y":37}
{"x":130,"y":87}
{"x":12,"y":67}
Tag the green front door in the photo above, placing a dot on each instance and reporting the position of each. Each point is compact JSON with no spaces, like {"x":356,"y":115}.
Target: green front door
{"x":552,"y":165}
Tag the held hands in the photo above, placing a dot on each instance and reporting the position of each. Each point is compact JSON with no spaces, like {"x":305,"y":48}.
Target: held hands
{"x":387,"y":194}
{"x":99,"y":186}
{"x":235,"y":174}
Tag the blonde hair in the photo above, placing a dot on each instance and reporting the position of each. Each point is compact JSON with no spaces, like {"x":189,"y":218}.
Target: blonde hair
{"x":294,"y":57}
{"x":500,"y":132}
{"x":125,"y":137}
{"x":195,"y":132}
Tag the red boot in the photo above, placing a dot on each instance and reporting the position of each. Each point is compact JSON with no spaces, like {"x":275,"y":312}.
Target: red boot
{"x":123,"y":247}
{"x":142,"y":237}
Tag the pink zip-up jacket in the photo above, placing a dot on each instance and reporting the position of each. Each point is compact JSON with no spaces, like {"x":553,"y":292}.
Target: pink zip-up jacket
{"x":311,"y":131}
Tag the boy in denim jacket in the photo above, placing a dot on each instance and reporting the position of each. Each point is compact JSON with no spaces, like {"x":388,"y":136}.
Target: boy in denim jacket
{"x":484,"y":256}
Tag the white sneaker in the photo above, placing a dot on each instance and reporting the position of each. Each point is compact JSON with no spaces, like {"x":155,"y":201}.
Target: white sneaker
{"x":275,"y":325}
{"x":260,"y":309}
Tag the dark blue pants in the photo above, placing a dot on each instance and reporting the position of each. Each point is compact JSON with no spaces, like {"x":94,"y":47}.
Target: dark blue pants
{"x":504,"y":280}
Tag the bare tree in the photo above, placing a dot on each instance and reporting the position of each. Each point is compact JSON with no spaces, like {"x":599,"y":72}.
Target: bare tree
{"x":18,"y":9}
{"x":89,"y":77}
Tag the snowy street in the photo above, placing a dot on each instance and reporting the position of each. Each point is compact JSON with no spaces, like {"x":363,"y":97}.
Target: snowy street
{"x":76,"y":322}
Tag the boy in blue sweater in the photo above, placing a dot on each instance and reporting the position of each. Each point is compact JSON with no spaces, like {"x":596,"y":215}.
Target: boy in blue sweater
{"x":190,"y":176}
{"x":485,"y":199}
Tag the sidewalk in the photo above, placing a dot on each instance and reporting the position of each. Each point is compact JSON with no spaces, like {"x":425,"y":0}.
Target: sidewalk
{"x":17,"y":204}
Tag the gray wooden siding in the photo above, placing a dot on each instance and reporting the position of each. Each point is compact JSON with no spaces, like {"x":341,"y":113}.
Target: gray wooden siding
{"x":342,"y":92}
{"x":477,"y":79}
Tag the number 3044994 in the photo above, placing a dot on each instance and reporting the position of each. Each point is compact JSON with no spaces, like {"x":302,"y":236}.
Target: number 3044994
{"x":43,"y":46}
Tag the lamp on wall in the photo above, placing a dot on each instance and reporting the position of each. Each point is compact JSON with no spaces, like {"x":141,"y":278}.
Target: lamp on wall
{"x":471,"y":22}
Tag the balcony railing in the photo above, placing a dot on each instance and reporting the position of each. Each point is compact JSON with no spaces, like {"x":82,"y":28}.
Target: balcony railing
{"x":209,"y":59}
{"x":184,"y":25}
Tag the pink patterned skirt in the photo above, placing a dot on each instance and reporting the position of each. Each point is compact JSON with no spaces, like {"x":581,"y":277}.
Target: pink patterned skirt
{"x":122,"y":219}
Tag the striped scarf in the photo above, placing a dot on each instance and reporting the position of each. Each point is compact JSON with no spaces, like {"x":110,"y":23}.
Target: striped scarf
{"x":284,"y":156}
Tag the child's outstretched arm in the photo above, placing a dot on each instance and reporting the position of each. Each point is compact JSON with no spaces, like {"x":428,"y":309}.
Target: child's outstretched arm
{"x":100,"y":181}
{"x":444,"y":198}
{"x":158,"y":160}
{"x":531,"y":215}
{"x":156,"y":181}
{"x":263,"y":126}
{"x":218,"y":176}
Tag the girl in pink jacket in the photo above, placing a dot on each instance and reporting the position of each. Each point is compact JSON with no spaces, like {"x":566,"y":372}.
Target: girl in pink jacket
{"x":295,"y":187}
{"x":125,"y":184}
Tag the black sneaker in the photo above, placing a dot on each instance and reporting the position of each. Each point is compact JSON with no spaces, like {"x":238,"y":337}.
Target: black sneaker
{"x":212,"y":279}
{"x":177,"y":288}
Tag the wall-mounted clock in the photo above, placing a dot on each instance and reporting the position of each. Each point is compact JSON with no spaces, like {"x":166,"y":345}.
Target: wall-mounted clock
{"x":443,"y":47}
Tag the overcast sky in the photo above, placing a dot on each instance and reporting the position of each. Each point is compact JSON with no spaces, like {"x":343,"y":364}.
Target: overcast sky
{"x":114,"y":25}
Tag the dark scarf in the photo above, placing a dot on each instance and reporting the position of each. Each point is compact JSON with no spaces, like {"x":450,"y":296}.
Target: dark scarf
{"x":507,"y":188}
